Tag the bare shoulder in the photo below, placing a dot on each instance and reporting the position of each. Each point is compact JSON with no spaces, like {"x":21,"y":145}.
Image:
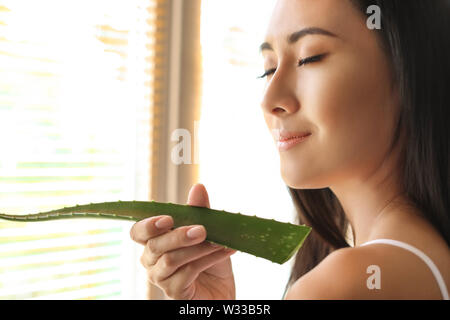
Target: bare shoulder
{"x":381,"y":271}
{"x":368,"y":272}
{"x":341,"y":275}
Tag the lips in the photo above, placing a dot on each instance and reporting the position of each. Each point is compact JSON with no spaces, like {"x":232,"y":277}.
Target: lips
{"x":284,"y":135}
{"x":287,"y":140}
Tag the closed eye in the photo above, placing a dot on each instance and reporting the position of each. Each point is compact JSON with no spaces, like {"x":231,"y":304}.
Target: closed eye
{"x":312,"y":59}
{"x":267,"y":73}
{"x":301,"y":62}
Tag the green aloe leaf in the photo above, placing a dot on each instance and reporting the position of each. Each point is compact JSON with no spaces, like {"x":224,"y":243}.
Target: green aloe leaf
{"x":265,"y":238}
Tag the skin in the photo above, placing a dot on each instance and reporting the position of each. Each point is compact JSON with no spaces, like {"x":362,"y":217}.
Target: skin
{"x":349,"y":104}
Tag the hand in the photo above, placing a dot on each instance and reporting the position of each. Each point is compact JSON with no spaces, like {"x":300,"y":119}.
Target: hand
{"x":180,"y":261}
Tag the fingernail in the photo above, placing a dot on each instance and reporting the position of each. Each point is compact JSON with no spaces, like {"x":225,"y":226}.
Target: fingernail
{"x":195,"y":232}
{"x":163,"y":223}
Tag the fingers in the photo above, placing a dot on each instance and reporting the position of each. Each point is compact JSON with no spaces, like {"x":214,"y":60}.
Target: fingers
{"x":179,"y":238}
{"x":146,"y":229}
{"x":198,"y":196}
{"x":175,"y":258}
{"x":181,"y":284}
{"x":169,"y":262}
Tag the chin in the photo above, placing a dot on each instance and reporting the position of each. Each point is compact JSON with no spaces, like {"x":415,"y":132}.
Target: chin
{"x":298,"y":181}
{"x":298,"y":186}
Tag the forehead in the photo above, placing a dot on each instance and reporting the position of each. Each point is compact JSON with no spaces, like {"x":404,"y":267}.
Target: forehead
{"x":337,"y":16}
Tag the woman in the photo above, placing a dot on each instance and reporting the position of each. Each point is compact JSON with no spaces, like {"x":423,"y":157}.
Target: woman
{"x":359,"y":116}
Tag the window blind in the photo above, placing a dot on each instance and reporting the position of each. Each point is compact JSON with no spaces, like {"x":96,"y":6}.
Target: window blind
{"x":78,"y":84}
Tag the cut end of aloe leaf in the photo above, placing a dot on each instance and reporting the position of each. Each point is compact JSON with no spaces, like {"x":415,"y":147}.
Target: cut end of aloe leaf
{"x":275,"y":252}
{"x":304,"y":234}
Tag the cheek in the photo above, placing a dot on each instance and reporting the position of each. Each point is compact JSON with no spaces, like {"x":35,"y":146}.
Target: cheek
{"x":348,"y":103}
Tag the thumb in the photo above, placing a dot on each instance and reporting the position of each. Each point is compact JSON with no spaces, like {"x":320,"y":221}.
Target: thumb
{"x":198,"y":196}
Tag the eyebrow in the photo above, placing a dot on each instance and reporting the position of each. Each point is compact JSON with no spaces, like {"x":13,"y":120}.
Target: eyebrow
{"x":294,"y":37}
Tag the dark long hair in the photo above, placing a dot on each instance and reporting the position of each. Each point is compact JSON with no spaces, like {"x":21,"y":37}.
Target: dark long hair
{"x":414,"y":37}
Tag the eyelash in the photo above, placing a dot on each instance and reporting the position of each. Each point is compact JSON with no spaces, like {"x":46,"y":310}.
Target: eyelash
{"x":301,"y":62}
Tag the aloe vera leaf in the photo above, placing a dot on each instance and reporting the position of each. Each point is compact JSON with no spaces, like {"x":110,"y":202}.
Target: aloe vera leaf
{"x":268,"y":239}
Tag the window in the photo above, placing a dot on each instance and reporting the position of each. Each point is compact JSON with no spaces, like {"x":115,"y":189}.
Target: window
{"x":239,"y":163}
{"x":76,"y":81}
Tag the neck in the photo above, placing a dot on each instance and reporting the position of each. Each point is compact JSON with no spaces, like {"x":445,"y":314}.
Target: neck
{"x":369,"y":199}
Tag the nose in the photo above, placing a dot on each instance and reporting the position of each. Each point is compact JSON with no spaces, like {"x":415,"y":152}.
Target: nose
{"x":288,"y":105}
{"x":279,"y":97}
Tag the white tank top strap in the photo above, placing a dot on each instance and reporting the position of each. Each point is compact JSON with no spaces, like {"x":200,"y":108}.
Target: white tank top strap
{"x":421,"y":255}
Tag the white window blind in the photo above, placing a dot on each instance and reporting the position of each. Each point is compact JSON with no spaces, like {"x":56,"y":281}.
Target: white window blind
{"x":76,"y":81}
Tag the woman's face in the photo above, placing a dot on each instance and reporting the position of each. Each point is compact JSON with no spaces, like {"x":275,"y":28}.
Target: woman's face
{"x":343,"y":96}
